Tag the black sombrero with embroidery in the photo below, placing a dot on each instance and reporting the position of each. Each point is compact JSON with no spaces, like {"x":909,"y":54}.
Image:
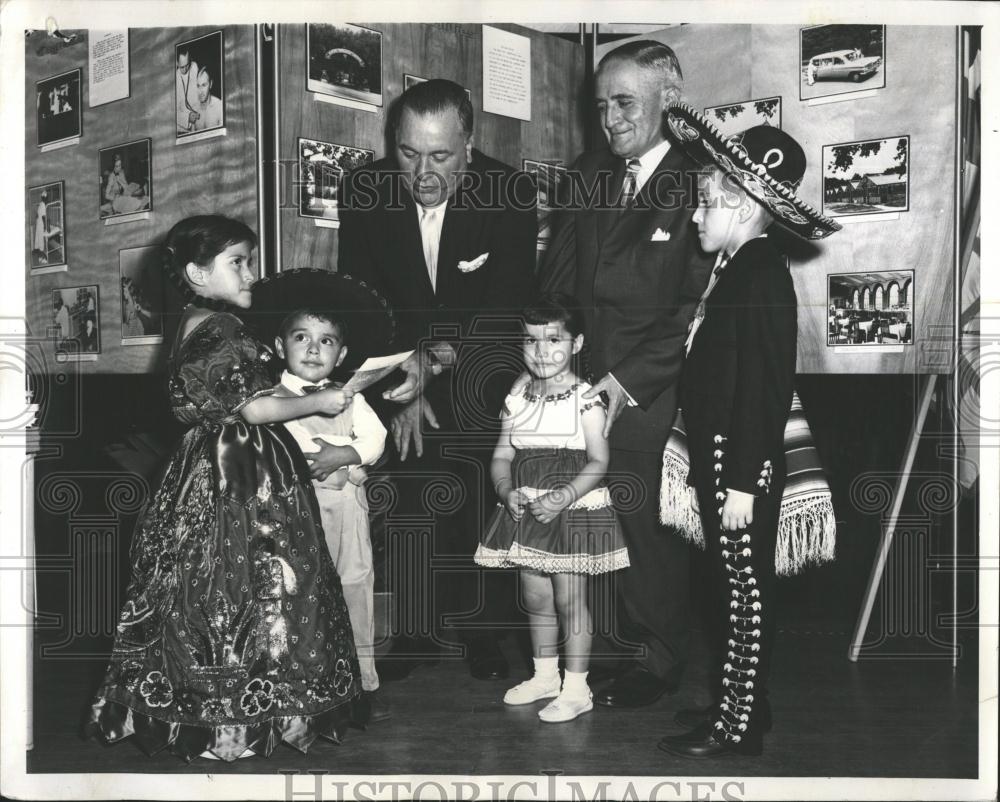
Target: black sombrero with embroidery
{"x":767,"y":162}
{"x":371,"y":327}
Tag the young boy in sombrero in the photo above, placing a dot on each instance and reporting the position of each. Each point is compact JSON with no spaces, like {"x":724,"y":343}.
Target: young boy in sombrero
{"x":736,"y":392}
{"x":310,"y":315}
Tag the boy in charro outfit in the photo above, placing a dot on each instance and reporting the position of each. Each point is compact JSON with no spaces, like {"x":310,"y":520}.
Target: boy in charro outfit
{"x":736,"y":392}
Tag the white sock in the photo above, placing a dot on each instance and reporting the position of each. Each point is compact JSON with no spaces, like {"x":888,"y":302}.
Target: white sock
{"x":575,"y":683}
{"x":547,"y":667}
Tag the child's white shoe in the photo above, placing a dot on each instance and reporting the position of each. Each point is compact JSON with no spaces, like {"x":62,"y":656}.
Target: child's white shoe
{"x":532,"y":690}
{"x":566,"y":707}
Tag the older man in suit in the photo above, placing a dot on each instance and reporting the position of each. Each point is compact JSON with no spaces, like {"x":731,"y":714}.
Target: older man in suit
{"x":447,"y":234}
{"x":626,"y":249}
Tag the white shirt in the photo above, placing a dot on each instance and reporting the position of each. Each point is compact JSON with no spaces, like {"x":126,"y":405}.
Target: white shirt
{"x":431,"y":220}
{"x":367,"y":434}
{"x":648,"y":162}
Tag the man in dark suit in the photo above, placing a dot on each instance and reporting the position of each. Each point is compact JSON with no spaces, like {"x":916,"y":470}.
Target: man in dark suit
{"x":447,"y":234}
{"x":626,"y":250}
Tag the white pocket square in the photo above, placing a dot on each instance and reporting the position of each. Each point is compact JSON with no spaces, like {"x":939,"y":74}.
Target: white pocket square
{"x":475,"y":264}
{"x":660,"y":236}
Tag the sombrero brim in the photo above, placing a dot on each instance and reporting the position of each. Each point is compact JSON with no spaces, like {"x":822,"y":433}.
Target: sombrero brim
{"x":706,"y":144}
{"x":371,"y":327}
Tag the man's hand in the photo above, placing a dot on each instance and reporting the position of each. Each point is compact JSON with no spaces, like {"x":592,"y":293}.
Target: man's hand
{"x":515,"y":502}
{"x":546,"y":508}
{"x":693,"y":496}
{"x":617,"y":399}
{"x":193,"y":117}
{"x":737,"y":511}
{"x":406,"y":425}
{"x":328,"y":459}
{"x":418,"y":370}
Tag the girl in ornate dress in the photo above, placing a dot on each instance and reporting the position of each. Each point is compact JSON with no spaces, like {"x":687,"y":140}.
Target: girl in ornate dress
{"x":234,"y":635}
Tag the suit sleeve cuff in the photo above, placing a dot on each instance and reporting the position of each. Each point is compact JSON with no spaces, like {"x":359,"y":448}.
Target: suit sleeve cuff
{"x":631,"y":401}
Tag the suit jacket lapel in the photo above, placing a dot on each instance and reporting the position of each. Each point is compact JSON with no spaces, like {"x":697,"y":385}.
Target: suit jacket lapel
{"x":607,"y":218}
{"x":448,"y":250}
{"x":670,"y":196}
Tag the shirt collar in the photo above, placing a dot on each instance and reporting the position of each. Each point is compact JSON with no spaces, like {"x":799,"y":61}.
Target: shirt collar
{"x":650,"y":160}
{"x":295,"y":384}
{"x":434,"y":211}
{"x":762,"y":235}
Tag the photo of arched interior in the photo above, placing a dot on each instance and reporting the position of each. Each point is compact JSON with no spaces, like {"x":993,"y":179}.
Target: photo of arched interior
{"x":871,"y":309}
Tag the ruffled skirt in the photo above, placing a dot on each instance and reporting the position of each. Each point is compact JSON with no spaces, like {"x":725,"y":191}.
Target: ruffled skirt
{"x":585,"y":538}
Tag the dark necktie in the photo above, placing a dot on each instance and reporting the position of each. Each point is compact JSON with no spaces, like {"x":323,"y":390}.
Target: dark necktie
{"x":628,"y":187}
{"x":313,"y":388}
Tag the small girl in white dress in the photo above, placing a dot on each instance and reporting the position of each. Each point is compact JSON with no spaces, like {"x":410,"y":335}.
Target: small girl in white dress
{"x":554,"y":521}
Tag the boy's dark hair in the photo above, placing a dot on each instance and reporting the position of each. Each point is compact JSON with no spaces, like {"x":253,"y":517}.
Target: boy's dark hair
{"x":555,"y":307}
{"x":326,"y":315}
{"x":433,"y":97}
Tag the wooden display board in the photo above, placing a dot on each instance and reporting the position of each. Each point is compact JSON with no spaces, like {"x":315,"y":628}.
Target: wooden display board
{"x":445,"y":50}
{"x":725,"y":64}
{"x":213,"y":175}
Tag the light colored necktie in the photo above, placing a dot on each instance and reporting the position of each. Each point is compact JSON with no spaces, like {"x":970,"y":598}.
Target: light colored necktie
{"x":699,"y":314}
{"x":429,"y":236}
{"x":631,"y":181}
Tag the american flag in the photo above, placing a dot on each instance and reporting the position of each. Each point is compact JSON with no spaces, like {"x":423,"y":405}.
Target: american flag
{"x":967,"y":414}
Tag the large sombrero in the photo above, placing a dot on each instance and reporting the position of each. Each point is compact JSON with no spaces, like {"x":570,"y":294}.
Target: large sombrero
{"x":767,"y":162}
{"x":371,"y":327}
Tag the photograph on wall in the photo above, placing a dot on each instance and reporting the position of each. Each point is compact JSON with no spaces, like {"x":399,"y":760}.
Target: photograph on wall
{"x":57,"y":109}
{"x":841,"y":60}
{"x":868,"y":309}
{"x":735,"y":117}
{"x":871,"y":176}
{"x":344,"y":61}
{"x":321,"y":167}
{"x":46,"y":228}
{"x":548,"y":176}
{"x":141,"y":274}
{"x":75,"y":321}
{"x":413,"y":80}
{"x":126,"y":185}
{"x":199,"y":90}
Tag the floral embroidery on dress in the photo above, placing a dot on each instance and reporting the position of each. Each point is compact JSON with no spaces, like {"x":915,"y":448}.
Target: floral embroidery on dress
{"x":258,"y":696}
{"x":213,"y":572}
{"x":157,"y":690}
{"x":342,"y":678}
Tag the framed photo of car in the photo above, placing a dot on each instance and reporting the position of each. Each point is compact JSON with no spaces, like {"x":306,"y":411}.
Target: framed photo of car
{"x":841,"y":60}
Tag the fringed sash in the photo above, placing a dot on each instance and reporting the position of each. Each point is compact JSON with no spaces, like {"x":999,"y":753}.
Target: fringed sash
{"x":807,"y":527}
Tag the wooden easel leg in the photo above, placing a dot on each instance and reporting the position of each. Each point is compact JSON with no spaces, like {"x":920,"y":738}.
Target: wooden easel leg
{"x":878,"y":568}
